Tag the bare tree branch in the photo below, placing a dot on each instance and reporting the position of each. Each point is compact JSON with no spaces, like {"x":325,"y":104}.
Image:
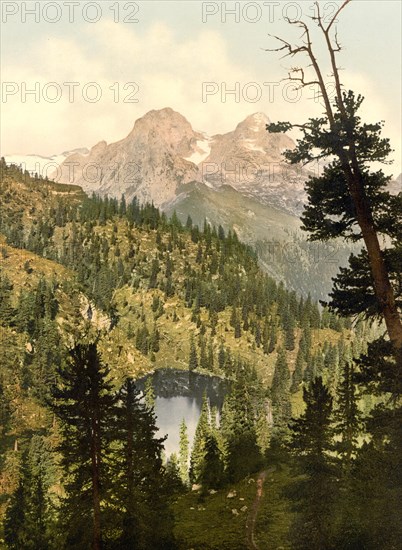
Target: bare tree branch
{"x":349,"y":161}
{"x":337,"y":13}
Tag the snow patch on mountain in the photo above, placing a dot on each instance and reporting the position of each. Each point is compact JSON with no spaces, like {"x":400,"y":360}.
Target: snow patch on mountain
{"x":44,"y":166}
{"x":201,"y":151}
{"x":250,"y":144}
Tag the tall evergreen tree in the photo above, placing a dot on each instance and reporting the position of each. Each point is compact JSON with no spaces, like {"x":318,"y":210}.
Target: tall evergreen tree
{"x":212,"y":473}
{"x":272,"y":339}
{"x":184,"y":453}
{"x":198,"y":451}
{"x":288,"y":325}
{"x":30,"y":517}
{"x":239,"y":425}
{"x":193,"y":358}
{"x":314,"y":494}
{"x":297,"y":376}
{"x":140,"y":502}
{"x":347,"y":418}
{"x":149,"y":393}
{"x":84,"y":405}
{"x":349,"y":199}
{"x":280,"y":397}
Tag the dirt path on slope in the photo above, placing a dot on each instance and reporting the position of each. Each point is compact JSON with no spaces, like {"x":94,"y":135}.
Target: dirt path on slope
{"x":252,"y":517}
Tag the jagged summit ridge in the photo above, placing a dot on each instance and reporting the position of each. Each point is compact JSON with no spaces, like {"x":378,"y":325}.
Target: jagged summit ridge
{"x":163,"y":152}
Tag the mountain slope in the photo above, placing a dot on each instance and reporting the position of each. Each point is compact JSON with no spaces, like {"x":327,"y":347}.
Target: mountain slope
{"x":149,"y":163}
{"x":250,"y":160}
{"x":238,"y":180}
{"x":163,"y":152}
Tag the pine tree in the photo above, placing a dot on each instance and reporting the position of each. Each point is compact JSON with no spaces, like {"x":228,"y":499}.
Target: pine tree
{"x":154,"y":340}
{"x":193,"y":359}
{"x":149,"y":392}
{"x":310,"y":372}
{"x":262,"y":429}
{"x":84,"y":405}
{"x":347,"y":418}
{"x":173,"y":481}
{"x":280,"y":380}
{"x":265,"y":338}
{"x":288,"y":325}
{"x":314,"y":494}
{"x":221,"y":356}
{"x":349,"y":199}
{"x":297,"y":376}
{"x":203,"y":354}
{"x":29,"y":520}
{"x":142,"y":515}
{"x":212,"y":472}
{"x":184,"y":453}
{"x":153,"y":279}
{"x":239,"y":425}
{"x":210,"y":355}
{"x":280,"y":397}
{"x":15,"y":520}
{"x":7,"y":312}
{"x":189,"y":222}
{"x":198,"y":451}
{"x":272,"y":339}
{"x":142,"y":339}
{"x":306,"y":343}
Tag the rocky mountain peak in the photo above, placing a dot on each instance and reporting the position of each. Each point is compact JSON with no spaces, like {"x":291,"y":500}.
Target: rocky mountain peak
{"x":99,"y":147}
{"x":168,"y":127}
{"x":163,"y":152}
{"x":255,"y":123}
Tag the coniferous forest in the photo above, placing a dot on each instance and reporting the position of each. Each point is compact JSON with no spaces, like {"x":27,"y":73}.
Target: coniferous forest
{"x":93,"y":291}
{"x":98,"y":294}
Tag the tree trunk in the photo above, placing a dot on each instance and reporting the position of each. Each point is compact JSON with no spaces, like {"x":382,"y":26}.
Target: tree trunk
{"x":95,"y":460}
{"x":382,"y":284}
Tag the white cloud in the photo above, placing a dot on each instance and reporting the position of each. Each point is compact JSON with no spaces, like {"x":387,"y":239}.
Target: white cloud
{"x":169,"y":71}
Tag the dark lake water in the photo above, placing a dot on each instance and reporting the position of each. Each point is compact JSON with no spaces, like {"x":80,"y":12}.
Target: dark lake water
{"x":179,"y":395}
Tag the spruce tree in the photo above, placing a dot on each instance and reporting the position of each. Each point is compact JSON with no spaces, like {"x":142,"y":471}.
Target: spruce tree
{"x":280,"y":380}
{"x":288,"y":325}
{"x":221,"y":357}
{"x":239,"y":425}
{"x":204,"y":364}
{"x":30,"y":515}
{"x":349,"y":199}
{"x":193,"y":359}
{"x":212,"y":472}
{"x":347,"y":418}
{"x":314,"y":494}
{"x":272,"y":339}
{"x":198,"y":451}
{"x":15,"y":533}
{"x":141,"y":511}
{"x":149,"y":393}
{"x":297,"y":376}
{"x":7,"y":312}
{"x":184,"y":453}
{"x":84,"y":405}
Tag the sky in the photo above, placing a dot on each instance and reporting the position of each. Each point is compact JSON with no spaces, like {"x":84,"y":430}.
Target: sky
{"x":76,"y":73}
